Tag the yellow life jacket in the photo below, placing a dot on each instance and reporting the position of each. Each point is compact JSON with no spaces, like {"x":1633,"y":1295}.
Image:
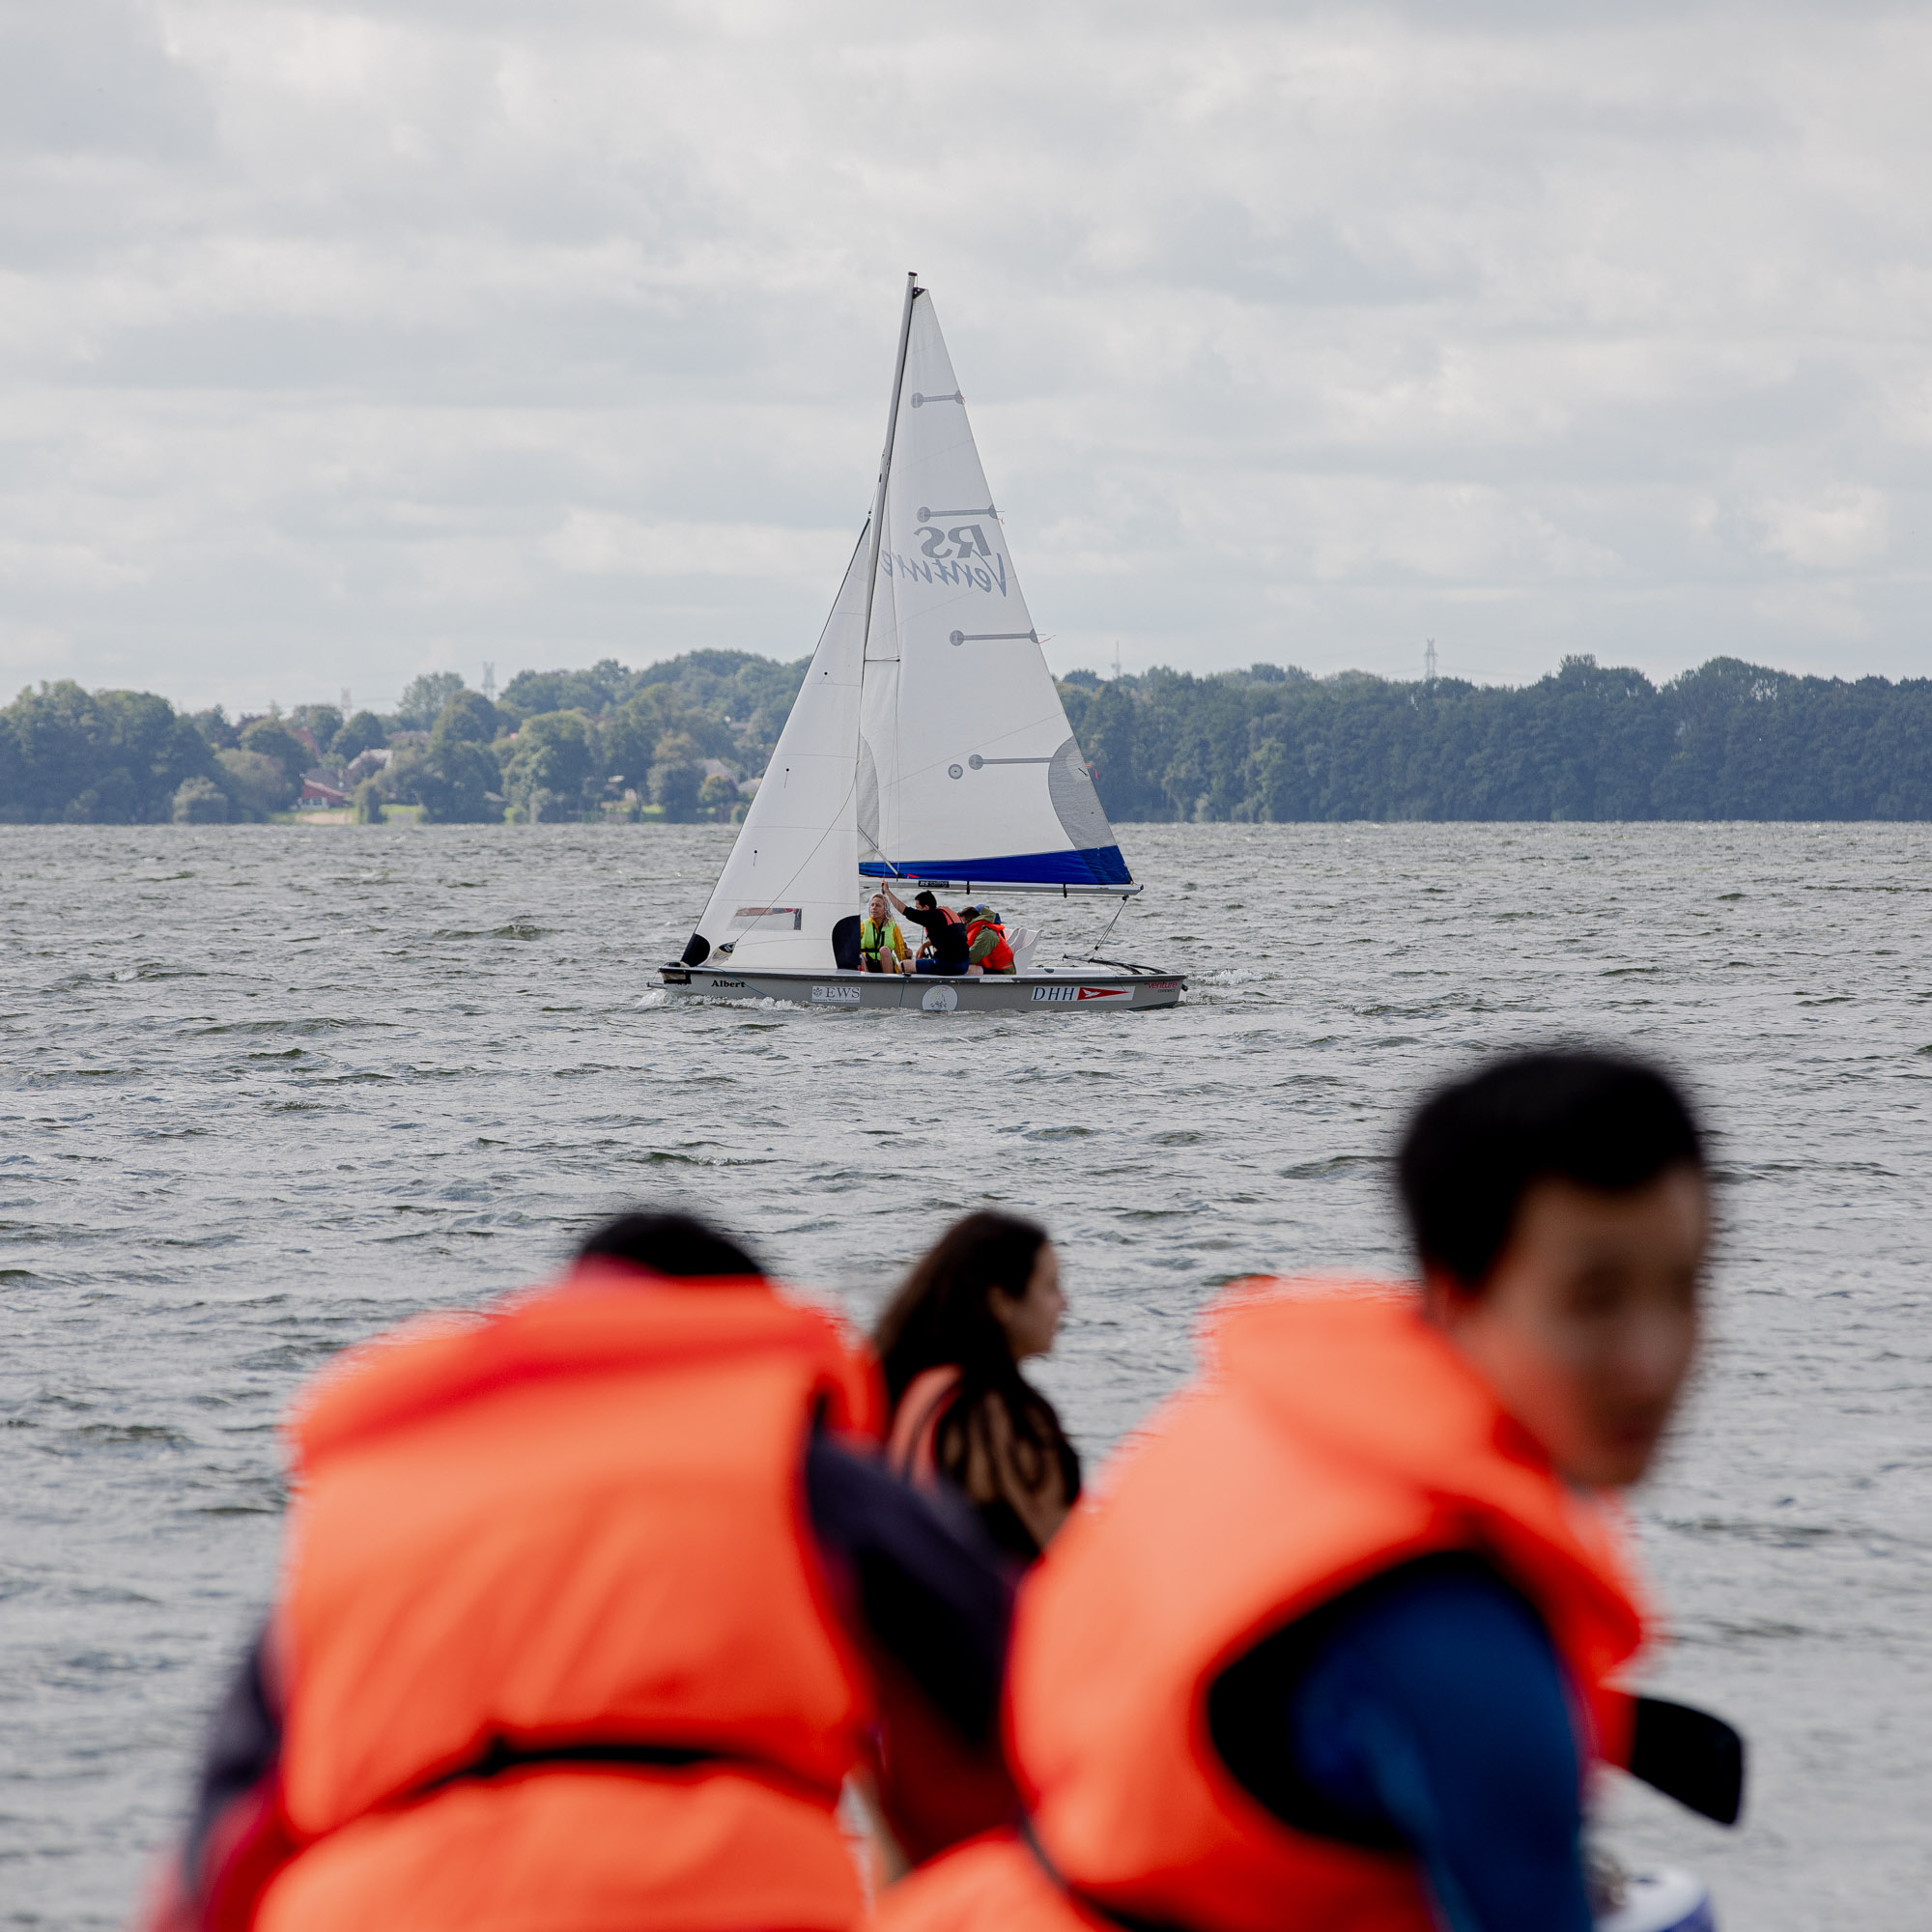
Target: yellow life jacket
{"x":876,"y":938}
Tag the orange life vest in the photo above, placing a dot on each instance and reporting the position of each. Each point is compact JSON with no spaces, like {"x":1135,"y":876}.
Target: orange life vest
{"x":1338,"y":1435}
{"x":1000,"y":959}
{"x":909,"y":1448}
{"x":553,"y":1641}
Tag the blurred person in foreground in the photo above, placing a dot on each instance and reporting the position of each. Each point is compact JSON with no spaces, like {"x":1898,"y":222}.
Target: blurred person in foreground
{"x":590,"y":1605}
{"x":1337,"y":1646}
{"x":985,"y":1298}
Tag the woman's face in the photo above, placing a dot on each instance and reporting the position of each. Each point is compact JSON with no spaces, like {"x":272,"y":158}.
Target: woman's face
{"x":1032,"y":1319}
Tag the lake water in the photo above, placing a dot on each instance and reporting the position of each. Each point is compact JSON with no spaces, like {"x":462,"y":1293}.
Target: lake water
{"x":267,"y":1089}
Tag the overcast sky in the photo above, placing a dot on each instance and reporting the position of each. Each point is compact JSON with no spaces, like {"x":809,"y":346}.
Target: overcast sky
{"x":339,"y":344}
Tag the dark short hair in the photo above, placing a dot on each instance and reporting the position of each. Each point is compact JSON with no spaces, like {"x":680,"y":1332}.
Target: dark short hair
{"x":1475,"y":1147}
{"x":925,"y":899}
{"x":678,"y":1246}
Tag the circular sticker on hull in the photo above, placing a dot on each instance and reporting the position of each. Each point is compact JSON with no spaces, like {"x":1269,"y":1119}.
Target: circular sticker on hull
{"x":940,"y":999}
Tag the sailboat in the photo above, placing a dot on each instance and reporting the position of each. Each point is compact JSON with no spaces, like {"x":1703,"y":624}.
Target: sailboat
{"x":927,"y":749}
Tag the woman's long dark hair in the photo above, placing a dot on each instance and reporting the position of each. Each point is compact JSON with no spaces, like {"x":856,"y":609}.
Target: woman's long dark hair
{"x":942,"y":1315}
{"x":943,"y":1318}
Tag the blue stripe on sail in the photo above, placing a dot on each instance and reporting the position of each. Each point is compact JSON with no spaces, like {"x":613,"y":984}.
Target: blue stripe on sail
{"x":1096,"y":866}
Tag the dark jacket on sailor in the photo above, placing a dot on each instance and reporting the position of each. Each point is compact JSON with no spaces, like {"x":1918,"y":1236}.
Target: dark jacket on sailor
{"x":944,"y":929}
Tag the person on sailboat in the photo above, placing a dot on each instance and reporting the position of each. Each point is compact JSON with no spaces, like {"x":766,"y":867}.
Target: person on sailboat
{"x":590,"y":1604}
{"x":981,"y":1300}
{"x":986,"y":946}
{"x":1339,"y":1644}
{"x":945,"y":933}
{"x":882,"y":946}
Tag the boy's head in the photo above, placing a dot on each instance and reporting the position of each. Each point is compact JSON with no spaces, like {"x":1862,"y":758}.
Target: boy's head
{"x":677,"y":1245}
{"x":926,"y":900}
{"x":1559,"y":1209}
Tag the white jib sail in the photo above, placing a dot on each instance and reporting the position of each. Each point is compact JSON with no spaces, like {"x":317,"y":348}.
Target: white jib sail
{"x":968,"y":769}
{"x":793,"y":873}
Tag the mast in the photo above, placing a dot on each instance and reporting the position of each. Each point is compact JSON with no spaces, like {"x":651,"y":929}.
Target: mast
{"x":885,"y":461}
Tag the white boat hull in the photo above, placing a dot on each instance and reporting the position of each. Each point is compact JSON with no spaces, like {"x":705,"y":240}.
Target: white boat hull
{"x":1068,"y":992}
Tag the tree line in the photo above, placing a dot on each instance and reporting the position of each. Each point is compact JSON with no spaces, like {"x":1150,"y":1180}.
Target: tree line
{"x":606,"y":741}
{"x":1728,"y":740}
{"x":675,"y":740}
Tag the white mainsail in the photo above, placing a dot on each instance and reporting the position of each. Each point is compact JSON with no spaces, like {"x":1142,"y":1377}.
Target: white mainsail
{"x":968,"y":769}
{"x":928,"y":742}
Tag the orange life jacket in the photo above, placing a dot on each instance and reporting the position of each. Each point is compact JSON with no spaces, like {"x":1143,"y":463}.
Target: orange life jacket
{"x":909,"y":1448}
{"x":1338,"y":1435}
{"x":1000,"y":959}
{"x":554,"y":1639}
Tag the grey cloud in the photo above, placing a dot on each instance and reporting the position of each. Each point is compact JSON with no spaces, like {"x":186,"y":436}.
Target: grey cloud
{"x":93,"y":76}
{"x":1288,"y":333}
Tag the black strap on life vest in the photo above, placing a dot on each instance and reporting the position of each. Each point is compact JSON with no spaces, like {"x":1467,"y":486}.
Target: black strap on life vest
{"x":502,"y":1756}
{"x":1083,"y":1902}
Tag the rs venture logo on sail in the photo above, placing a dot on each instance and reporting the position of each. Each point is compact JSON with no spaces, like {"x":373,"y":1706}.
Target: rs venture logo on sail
{"x":952,"y":554}
{"x":969,"y":540}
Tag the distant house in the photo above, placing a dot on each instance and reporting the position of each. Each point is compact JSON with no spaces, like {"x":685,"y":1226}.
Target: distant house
{"x":365,"y":766}
{"x":317,"y":792}
{"x":717,"y":767}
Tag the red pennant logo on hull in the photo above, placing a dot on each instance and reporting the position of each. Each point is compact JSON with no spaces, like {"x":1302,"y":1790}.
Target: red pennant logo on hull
{"x":1106,"y":992}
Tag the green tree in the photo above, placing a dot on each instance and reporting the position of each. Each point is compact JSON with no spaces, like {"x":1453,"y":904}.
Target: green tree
{"x":604,"y":686}
{"x":200,"y":802}
{"x":366,"y":806}
{"x":732,"y":703}
{"x":455,"y":778}
{"x":215,"y":728}
{"x":269,"y":738}
{"x":361,"y":733}
{"x":716,"y":796}
{"x":551,"y":766}
{"x":256,"y":783}
{"x":422,"y":703}
{"x":675,"y":777}
{"x":321,"y":722}
{"x":632,"y":732}
{"x":107,"y":758}
{"x":467,"y":718}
